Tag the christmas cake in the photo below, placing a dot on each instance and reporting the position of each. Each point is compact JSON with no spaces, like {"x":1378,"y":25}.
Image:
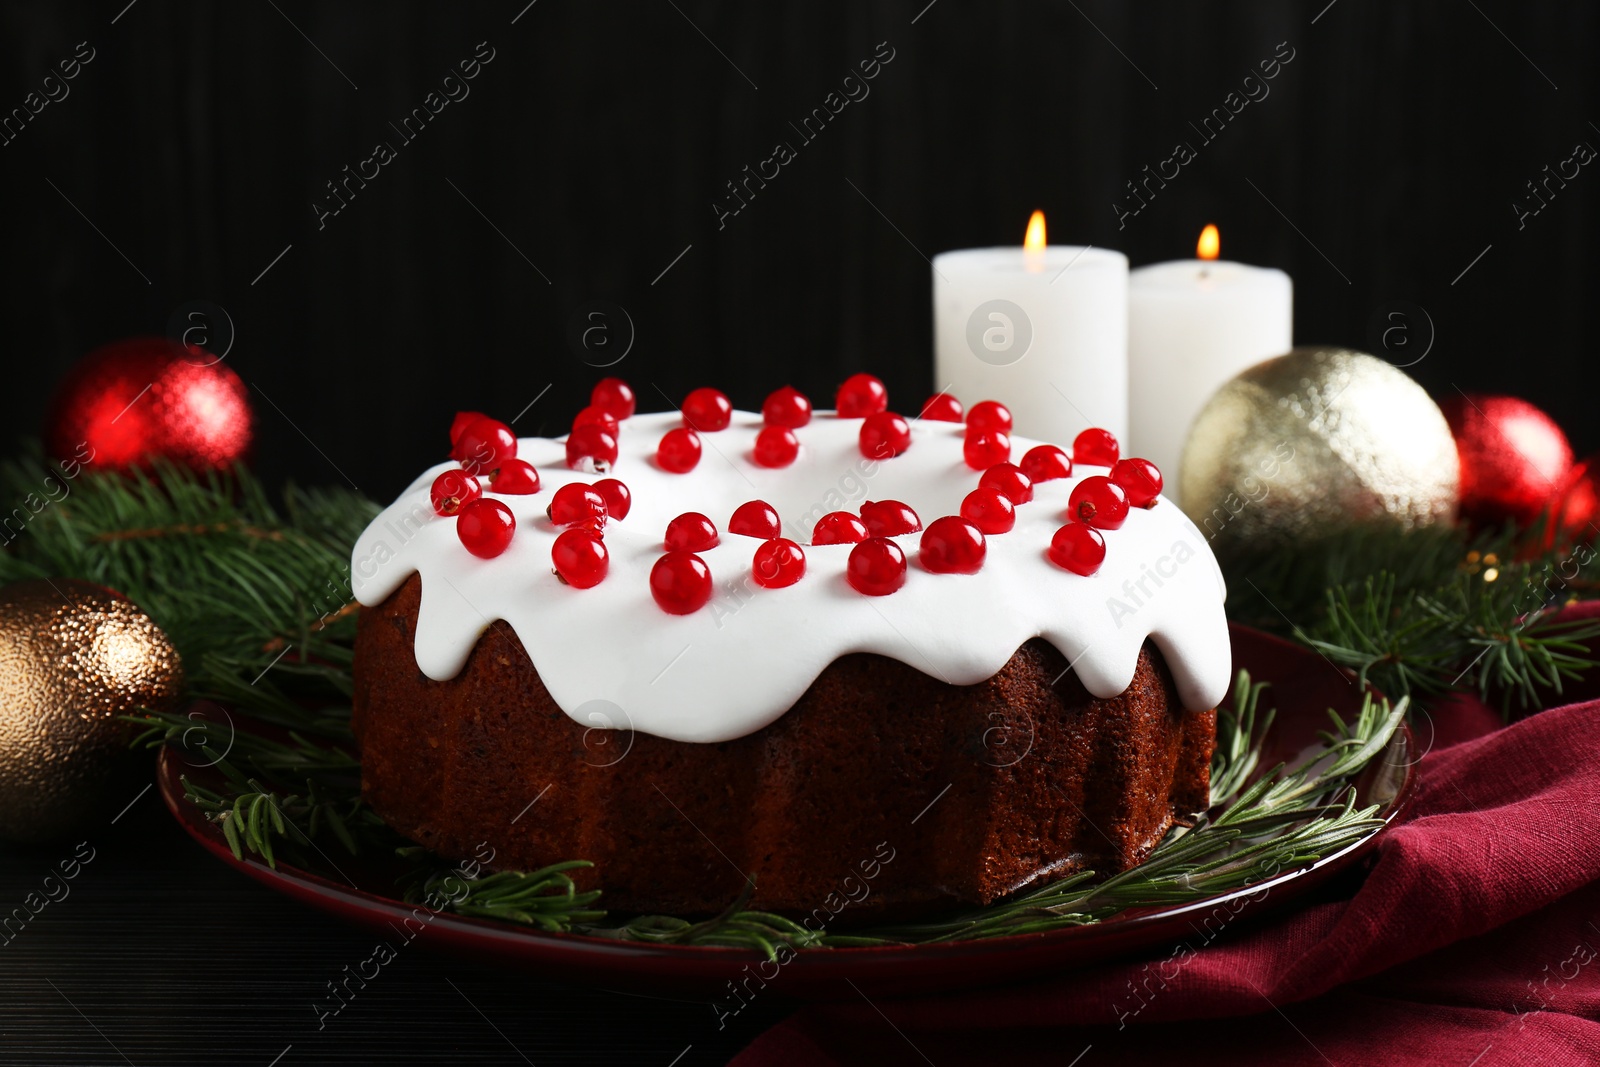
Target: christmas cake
{"x":863,"y":662}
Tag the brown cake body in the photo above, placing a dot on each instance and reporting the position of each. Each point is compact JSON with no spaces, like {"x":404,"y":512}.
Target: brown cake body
{"x":882,"y":791}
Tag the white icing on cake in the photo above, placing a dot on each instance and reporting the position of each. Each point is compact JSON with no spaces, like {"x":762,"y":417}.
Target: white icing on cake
{"x":739,"y":663}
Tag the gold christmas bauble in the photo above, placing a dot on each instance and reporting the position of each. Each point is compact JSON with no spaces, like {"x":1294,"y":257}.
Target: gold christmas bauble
{"x":73,"y":657}
{"x":1314,"y":441}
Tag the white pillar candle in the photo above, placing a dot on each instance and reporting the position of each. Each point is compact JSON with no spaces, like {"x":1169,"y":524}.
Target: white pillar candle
{"x":1043,"y":330}
{"x":1192,"y":325}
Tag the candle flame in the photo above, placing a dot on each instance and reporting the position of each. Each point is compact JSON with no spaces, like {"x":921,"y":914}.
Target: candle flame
{"x":1210,"y":242}
{"x":1034,"y":240}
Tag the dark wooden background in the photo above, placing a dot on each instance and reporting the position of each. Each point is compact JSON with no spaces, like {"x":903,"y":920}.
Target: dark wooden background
{"x":583,"y":167}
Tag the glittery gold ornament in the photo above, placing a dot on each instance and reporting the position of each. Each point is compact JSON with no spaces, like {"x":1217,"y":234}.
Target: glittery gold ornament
{"x":73,"y":657}
{"x":1313,"y":441}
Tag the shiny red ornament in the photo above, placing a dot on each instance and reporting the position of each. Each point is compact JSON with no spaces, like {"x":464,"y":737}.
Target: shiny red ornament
{"x":150,"y":398}
{"x":884,"y":435}
{"x":952,"y":545}
{"x":876,"y":567}
{"x":1514,"y":458}
{"x":778,"y":563}
{"x":787,"y":407}
{"x":776,"y":446}
{"x":1575,"y":518}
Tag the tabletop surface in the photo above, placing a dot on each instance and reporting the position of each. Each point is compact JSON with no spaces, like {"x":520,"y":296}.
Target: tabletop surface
{"x":159,"y":954}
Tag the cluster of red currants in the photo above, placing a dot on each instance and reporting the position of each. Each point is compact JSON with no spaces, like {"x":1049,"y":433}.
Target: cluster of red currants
{"x":707,"y":410}
{"x":486,"y":450}
{"x":1101,"y":501}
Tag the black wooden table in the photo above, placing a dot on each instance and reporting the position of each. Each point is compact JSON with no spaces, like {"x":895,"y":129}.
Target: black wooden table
{"x":158,"y":954}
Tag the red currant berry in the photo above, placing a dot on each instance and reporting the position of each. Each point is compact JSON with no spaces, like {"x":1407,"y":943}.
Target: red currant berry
{"x":589,"y":448}
{"x":574,"y":503}
{"x":989,"y":510}
{"x":1099,"y":502}
{"x":681,"y":583}
{"x":861,"y":395}
{"x":614,"y":397}
{"x":678,"y":451}
{"x":596,"y":416}
{"x":1009,"y":479}
{"x":884,"y":435}
{"x":778,"y":563}
{"x":941,"y":407}
{"x":989,"y":415}
{"x":580,"y":558}
{"x":1096,"y":447}
{"x":462,"y":420}
{"x":838,"y":528}
{"x":691,"y":532}
{"x":453,"y":490}
{"x":755,"y":518}
{"x":787,"y":407}
{"x":1044,"y":463}
{"x":483,"y":445}
{"x":985,"y":448}
{"x":617,"y":497}
{"x":1078,"y":548}
{"x":485,"y":526}
{"x":953,"y":545}
{"x":877,"y":567}
{"x":707,"y":410}
{"x":889,"y":518}
{"x":776,"y":446}
{"x":1140,"y":479}
{"x":516,"y":477}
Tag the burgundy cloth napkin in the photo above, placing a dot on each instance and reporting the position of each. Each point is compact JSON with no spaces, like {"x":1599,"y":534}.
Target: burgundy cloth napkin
{"x":1474,"y":940}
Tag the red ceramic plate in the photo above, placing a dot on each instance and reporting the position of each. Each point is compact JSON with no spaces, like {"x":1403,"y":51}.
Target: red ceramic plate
{"x":1304,"y":686}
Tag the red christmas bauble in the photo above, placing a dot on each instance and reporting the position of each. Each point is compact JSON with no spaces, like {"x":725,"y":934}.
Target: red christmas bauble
{"x":1515,"y":460}
{"x":150,"y":397}
{"x":1575,"y":519}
